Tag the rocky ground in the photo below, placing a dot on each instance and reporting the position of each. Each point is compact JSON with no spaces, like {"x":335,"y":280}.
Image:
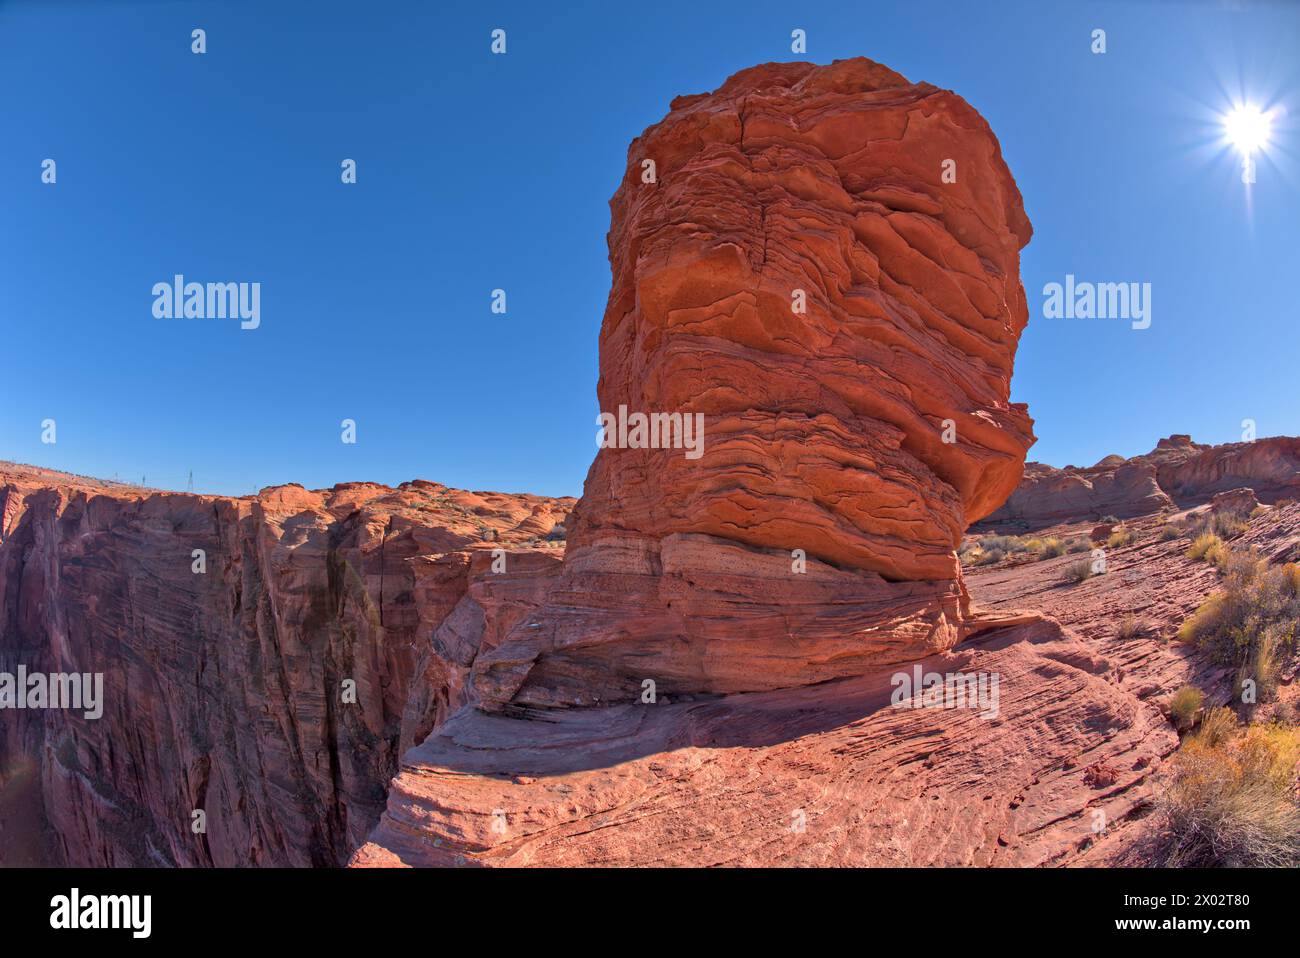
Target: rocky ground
{"x":831,"y":774}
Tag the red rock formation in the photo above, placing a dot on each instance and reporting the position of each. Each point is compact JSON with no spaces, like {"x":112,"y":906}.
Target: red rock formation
{"x":823,"y":433}
{"x":830,"y":774}
{"x":1178,"y":473}
{"x":222,"y":689}
{"x":824,"y":429}
{"x":823,"y":775}
{"x":514,"y":680}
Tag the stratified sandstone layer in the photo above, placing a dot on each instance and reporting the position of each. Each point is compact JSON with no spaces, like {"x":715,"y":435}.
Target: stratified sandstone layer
{"x":827,"y":775}
{"x":1177,"y":474}
{"x":824,"y":429}
{"x":224,"y":689}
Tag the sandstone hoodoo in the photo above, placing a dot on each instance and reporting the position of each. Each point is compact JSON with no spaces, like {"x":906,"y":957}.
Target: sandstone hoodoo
{"x":705,"y":679}
{"x":801,"y":272}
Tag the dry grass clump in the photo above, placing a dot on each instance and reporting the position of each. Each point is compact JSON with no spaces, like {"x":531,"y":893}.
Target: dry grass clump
{"x":1118,"y":538}
{"x":991,"y":549}
{"x":1047,"y":548}
{"x":1184,"y":704}
{"x":1232,"y":800}
{"x":1077,"y":572}
{"x":1210,"y":548}
{"x":1131,"y":626}
{"x":1223,"y":524}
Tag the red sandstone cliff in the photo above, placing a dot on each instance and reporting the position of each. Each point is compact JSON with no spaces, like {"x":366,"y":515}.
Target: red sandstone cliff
{"x":223,"y":689}
{"x":1176,"y":474}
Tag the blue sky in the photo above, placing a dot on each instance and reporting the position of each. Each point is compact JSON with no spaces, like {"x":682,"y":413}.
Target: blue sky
{"x":478,"y":171}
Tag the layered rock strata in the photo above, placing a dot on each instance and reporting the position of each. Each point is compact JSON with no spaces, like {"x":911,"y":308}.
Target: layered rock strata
{"x":802,"y":277}
{"x":1177,"y":474}
{"x":264,"y":660}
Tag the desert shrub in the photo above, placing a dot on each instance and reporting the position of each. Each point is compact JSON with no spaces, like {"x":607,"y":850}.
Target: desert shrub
{"x":1227,"y":524}
{"x":556,"y":534}
{"x":1130,"y":626}
{"x":1263,"y":666}
{"x":1231,"y":802}
{"x":1170,"y":530}
{"x":988,"y":550}
{"x":1004,"y":544}
{"x":1252,"y":622}
{"x":1078,"y":545}
{"x":1077,"y":572}
{"x":1053,"y":547}
{"x":1047,"y":548}
{"x":1217,"y":726}
{"x":1120,"y":537}
{"x":1184,"y":704}
{"x":1208,"y":547}
{"x":1112,"y":520}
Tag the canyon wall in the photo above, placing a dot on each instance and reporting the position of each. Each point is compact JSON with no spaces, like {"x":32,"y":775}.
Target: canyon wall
{"x":225,"y":683}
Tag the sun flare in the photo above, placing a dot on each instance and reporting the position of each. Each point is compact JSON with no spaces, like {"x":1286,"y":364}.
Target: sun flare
{"x":1247,"y":128}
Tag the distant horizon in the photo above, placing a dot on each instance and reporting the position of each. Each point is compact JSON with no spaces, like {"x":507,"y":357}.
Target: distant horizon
{"x":477,"y":172}
{"x":1029,"y":460}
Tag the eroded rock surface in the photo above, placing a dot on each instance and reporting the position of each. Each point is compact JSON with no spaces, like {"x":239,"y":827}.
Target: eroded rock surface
{"x":800,"y":274}
{"x":223,"y":689}
{"x":826,"y":775}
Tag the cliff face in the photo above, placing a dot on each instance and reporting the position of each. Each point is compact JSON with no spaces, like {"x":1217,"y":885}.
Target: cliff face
{"x":1177,"y":474}
{"x":226,"y":689}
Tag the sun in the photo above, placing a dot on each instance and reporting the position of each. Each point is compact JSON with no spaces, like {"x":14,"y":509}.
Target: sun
{"x":1247,"y":128}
